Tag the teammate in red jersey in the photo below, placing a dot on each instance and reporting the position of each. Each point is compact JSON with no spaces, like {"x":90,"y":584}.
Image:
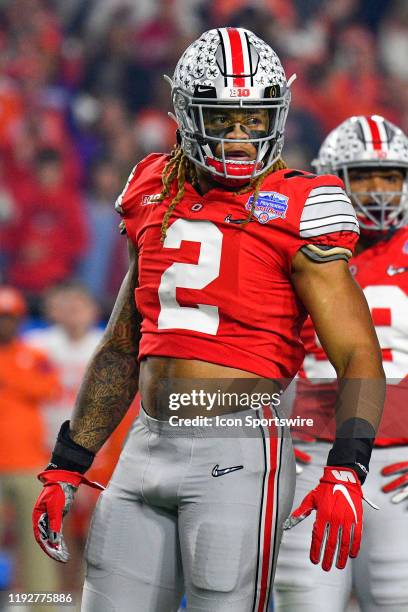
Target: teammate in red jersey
{"x":223,"y":243}
{"x":371,"y":155}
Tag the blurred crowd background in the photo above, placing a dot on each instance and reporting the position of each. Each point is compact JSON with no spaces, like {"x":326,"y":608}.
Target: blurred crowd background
{"x":82,"y":99}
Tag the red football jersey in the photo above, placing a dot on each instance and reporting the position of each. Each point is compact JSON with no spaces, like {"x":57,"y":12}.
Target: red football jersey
{"x":220,"y":292}
{"x":382,"y":272}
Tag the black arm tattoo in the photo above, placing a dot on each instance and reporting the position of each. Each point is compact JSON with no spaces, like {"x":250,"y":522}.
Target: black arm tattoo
{"x":111,"y":379}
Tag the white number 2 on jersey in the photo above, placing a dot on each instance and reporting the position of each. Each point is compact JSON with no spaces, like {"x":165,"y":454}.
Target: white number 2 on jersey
{"x":204,"y":318}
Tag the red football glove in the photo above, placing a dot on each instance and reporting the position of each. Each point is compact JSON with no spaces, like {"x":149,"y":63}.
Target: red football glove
{"x":302,"y":459}
{"x":337,"y":529}
{"x":52,"y":505}
{"x":400,"y":484}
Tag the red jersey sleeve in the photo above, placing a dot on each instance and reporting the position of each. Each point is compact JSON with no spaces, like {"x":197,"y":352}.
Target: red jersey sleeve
{"x":129,"y":202}
{"x":323,"y":224}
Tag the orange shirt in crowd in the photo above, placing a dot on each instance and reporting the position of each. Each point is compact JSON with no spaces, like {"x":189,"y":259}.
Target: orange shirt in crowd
{"x":26,"y":379}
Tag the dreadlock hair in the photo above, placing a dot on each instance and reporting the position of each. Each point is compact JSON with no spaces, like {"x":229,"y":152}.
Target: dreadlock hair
{"x":181,"y":167}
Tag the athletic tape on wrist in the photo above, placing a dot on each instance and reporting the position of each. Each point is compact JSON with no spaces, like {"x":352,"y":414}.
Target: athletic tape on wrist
{"x":353,"y":446}
{"x":68,"y":455}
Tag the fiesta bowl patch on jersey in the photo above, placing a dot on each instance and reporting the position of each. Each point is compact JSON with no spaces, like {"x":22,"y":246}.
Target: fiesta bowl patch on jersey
{"x":270,"y":205}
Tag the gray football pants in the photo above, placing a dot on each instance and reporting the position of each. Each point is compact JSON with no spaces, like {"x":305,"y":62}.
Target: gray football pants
{"x":174,"y":520}
{"x":378,"y":576}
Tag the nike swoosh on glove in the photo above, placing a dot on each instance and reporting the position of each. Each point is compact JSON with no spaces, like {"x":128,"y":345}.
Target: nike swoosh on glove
{"x":302,"y":459}
{"x":400,"y":484}
{"x":337,"y":529}
{"x":52,"y":505}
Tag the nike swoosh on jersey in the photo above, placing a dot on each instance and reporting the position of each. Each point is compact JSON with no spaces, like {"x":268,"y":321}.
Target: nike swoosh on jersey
{"x":229,"y":219}
{"x":392,"y":270}
{"x":221,"y":472}
{"x":343,"y":489}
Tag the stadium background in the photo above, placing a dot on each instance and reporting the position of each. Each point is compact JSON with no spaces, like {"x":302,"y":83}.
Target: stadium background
{"x":82,"y":99}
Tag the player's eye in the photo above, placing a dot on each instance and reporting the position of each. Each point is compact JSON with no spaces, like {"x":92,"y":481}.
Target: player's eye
{"x":254,"y":121}
{"x":220,"y":120}
{"x":358,"y":177}
{"x":393,"y":179}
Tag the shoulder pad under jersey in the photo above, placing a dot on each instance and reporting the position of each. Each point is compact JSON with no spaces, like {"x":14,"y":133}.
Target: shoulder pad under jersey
{"x":152,"y":164}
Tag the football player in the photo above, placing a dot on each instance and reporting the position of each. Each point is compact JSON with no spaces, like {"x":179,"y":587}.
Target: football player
{"x":371,"y":155}
{"x":227,"y":249}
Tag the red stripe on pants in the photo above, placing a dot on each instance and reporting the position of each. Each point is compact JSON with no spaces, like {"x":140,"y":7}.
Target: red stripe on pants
{"x":268,"y":524}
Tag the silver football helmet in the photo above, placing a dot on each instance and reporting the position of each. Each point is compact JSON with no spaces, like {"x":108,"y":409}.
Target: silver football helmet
{"x":230,"y":68}
{"x":369,"y":142}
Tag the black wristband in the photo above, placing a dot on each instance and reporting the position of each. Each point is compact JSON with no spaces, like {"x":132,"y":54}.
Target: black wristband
{"x":68,"y":455}
{"x":353,"y":446}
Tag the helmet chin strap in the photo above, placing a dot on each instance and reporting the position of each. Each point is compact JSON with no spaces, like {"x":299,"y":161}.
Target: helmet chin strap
{"x":238,"y":173}
{"x":229,"y":182}
{"x":222,"y":180}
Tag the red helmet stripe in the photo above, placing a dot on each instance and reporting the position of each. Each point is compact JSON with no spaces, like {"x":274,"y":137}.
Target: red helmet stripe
{"x":375,"y":134}
{"x":237,"y":56}
{"x":384,"y":138}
